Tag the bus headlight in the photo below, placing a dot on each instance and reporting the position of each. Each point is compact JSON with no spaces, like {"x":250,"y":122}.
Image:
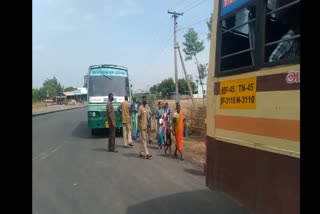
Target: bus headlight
{"x":93,"y":114}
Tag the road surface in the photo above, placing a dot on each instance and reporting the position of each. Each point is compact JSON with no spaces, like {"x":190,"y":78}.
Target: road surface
{"x":73,"y":173}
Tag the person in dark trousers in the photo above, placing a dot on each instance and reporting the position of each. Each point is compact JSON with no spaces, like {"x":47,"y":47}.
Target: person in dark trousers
{"x":112,"y":125}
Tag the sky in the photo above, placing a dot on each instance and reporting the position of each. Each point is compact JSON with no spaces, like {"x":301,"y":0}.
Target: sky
{"x":70,"y":35}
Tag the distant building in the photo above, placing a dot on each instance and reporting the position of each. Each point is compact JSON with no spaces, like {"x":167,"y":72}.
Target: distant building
{"x":80,"y":94}
{"x":85,"y":83}
{"x":198,"y":93}
{"x":186,"y":94}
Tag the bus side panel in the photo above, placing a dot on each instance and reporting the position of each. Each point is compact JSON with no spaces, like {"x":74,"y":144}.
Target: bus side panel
{"x":273,"y":124}
{"x":253,"y":155}
{"x":264,"y":182}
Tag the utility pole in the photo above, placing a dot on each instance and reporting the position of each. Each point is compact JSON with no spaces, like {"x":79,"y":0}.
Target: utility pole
{"x":185,"y":74}
{"x":175,"y":16}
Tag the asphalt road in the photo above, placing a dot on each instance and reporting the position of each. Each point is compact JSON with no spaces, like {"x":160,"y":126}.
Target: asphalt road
{"x":74,"y":173}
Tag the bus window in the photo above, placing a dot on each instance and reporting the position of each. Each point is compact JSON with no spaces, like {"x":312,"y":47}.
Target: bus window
{"x":248,"y":42}
{"x":282,"y":34}
{"x":237,"y":40}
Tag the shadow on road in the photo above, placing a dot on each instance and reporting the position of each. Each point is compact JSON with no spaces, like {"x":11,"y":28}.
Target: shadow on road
{"x":132,"y":155}
{"x":100,"y":149}
{"x":199,"y":202}
{"x":195,"y":172}
{"x":105,"y":149}
{"x":167,"y":155}
{"x":150,"y":146}
{"x":82,"y":131}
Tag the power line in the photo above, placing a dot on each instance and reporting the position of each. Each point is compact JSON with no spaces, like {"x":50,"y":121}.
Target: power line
{"x":162,"y":50}
{"x":150,"y":64}
{"x":156,"y":34}
{"x":166,"y":45}
{"x":196,"y":5}
{"x":178,"y":4}
{"x":157,"y":38}
{"x":196,"y":23}
{"x":186,"y":6}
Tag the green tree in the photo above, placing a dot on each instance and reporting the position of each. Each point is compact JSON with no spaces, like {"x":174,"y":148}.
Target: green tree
{"x":38,"y":94}
{"x":52,"y":87}
{"x":35,"y":95}
{"x":183,"y":86}
{"x":69,"y":88}
{"x":193,"y":46}
{"x":153,"y":89}
{"x":209,"y":25}
{"x":42,"y":93}
{"x":166,"y":87}
{"x":203,"y":71}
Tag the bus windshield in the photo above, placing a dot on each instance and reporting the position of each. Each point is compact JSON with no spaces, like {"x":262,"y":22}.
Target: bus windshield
{"x":102,"y":86}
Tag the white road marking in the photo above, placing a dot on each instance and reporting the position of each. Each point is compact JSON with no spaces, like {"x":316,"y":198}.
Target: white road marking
{"x":43,"y":153}
{"x":48,"y":153}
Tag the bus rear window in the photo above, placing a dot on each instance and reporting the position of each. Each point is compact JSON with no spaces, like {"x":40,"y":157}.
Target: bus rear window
{"x":237,"y":41}
{"x":282,"y":34}
{"x":257,"y":34}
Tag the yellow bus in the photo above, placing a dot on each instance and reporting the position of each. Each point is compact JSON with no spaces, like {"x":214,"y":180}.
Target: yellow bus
{"x":253,"y":104}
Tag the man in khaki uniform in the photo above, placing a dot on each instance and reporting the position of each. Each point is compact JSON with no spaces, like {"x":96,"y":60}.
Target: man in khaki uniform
{"x":125,"y":110}
{"x":112,"y":124}
{"x":143,"y":122}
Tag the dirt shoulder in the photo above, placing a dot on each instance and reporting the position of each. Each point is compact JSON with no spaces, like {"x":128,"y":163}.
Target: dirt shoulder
{"x":41,"y":108}
{"x":193,"y":149}
{"x":194,"y":146}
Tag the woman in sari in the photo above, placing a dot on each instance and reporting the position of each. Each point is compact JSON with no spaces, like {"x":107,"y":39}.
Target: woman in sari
{"x":161,"y":134}
{"x":158,"y":116}
{"x":178,"y":121}
{"x":134,"y":118}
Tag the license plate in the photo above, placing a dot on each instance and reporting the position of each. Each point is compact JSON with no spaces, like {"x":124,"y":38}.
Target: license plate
{"x":107,"y":124}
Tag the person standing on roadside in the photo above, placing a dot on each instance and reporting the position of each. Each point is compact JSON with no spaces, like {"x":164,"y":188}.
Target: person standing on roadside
{"x":134,"y":110}
{"x":178,"y":121}
{"x":158,"y":115}
{"x":143,"y":123}
{"x":125,"y":111}
{"x":112,"y":125}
